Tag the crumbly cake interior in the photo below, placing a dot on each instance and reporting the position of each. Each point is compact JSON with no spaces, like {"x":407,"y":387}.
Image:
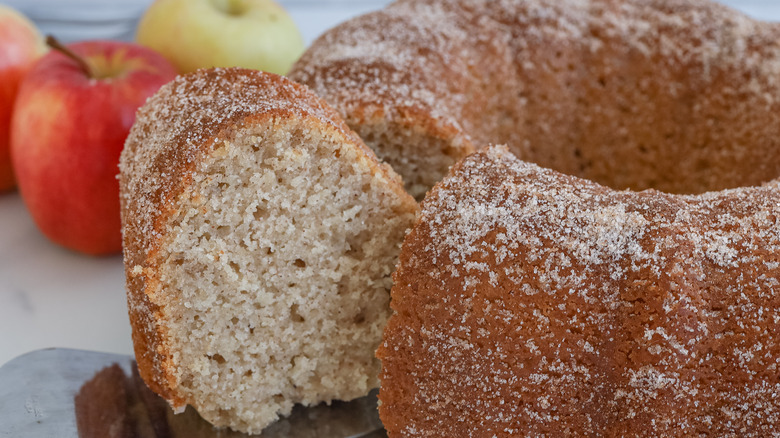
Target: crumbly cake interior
{"x":422,"y":161}
{"x":277,"y":276}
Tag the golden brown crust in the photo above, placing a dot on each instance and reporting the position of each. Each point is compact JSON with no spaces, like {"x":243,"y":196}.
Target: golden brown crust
{"x":677,"y":95}
{"x":528,"y":302}
{"x":177,"y":129}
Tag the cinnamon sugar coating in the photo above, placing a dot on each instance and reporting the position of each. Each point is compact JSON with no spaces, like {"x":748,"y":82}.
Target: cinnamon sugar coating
{"x":177,"y":128}
{"x":531,"y":303}
{"x":678,"y":95}
{"x":260,"y":235}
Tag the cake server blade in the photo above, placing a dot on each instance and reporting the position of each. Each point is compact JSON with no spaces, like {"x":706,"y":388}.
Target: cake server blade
{"x":65,"y":393}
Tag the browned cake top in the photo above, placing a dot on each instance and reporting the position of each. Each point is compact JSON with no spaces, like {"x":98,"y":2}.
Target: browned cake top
{"x":527,"y":301}
{"x":629,"y":93}
{"x":190,"y":115}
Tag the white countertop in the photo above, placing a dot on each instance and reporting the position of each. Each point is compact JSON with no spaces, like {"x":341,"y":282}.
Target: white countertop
{"x":50,"y":297}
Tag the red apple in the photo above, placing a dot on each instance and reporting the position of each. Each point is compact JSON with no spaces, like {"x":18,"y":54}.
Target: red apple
{"x":20,"y":46}
{"x":69,"y":126}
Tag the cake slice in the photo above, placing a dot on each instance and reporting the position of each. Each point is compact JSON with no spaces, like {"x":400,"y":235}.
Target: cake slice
{"x":260,"y":235}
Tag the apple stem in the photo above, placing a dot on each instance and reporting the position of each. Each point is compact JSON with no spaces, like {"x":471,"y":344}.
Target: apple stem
{"x":58,"y":46}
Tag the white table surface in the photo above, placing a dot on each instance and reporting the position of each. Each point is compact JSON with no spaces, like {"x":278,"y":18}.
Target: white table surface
{"x":51,"y":297}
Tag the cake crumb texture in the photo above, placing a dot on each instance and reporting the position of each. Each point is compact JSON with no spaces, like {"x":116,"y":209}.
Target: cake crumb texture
{"x":260,"y":237}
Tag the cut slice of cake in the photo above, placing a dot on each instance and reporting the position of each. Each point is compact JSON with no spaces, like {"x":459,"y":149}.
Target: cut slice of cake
{"x":260,"y":235}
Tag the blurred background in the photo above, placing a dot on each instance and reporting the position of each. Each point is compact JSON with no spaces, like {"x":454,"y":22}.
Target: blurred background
{"x":51,"y":297}
{"x":73,"y":20}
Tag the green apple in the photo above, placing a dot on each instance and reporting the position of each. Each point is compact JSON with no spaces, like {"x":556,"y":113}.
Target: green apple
{"x":193,"y":34}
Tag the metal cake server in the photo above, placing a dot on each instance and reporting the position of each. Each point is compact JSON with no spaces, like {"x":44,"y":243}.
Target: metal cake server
{"x":64,"y":393}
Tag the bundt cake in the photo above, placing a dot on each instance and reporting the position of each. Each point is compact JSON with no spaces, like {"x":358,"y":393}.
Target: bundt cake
{"x":260,"y":234}
{"x":532,"y":303}
{"x":678,"y":95}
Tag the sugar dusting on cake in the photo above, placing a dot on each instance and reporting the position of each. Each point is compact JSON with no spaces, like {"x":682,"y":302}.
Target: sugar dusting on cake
{"x":175,"y":131}
{"x":563,"y":82}
{"x":529,"y":302}
{"x":412,"y":37}
{"x":189,"y":116}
